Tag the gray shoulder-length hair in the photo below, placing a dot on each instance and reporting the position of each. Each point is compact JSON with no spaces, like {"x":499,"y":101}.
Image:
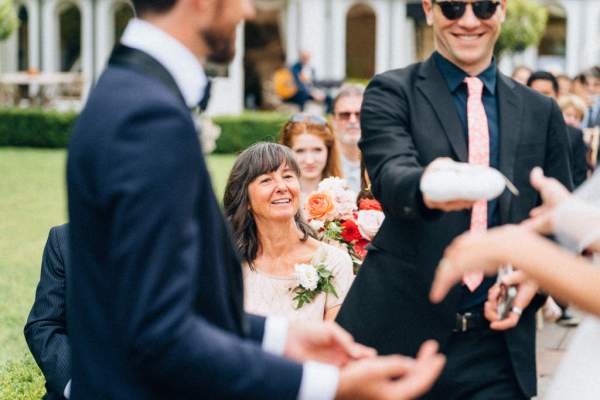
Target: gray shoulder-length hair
{"x":258,"y":159}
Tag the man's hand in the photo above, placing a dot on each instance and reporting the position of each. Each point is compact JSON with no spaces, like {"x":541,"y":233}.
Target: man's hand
{"x":553,"y":193}
{"x":325,"y":342}
{"x":526,"y":290}
{"x":446,"y":206}
{"x":391,"y":377}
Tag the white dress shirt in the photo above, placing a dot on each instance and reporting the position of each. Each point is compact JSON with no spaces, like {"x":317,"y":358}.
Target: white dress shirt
{"x":319,"y":381}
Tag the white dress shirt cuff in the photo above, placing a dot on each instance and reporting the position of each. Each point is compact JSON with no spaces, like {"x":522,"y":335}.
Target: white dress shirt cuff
{"x":319,"y":381}
{"x":67,"y":391}
{"x":276,"y":329}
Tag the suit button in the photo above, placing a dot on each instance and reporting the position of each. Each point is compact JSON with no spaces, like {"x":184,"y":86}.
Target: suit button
{"x":407,"y":210}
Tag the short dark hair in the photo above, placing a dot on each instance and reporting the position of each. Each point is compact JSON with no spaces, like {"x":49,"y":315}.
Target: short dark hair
{"x":142,"y":7}
{"x":258,"y":159}
{"x":543,"y":76}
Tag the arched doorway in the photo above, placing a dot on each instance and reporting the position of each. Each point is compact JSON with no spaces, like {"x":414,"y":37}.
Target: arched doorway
{"x":23,"y":39}
{"x":69,"y":19}
{"x":360,"y":42}
{"x":123,"y":13}
{"x":263,"y":54}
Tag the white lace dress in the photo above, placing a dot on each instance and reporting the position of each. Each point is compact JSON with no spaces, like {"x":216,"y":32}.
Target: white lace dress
{"x":271,"y":295}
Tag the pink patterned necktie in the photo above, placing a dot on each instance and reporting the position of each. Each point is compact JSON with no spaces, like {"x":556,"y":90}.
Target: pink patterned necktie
{"x":479,"y":154}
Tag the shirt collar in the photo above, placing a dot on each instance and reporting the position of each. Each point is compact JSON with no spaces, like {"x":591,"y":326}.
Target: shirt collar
{"x":455,"y":76}
{"x":183,"y":66}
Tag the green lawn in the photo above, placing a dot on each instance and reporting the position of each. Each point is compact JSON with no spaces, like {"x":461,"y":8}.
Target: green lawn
{"x":32,"y":199}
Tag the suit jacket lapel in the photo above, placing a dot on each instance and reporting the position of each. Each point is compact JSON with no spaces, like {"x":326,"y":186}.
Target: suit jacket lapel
{"x":509,"y":107}
{"x":141,"y":62}
{"x":435,"y":89}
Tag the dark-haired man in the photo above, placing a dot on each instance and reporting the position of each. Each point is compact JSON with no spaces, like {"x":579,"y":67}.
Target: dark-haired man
{"x":547,"y":84}
{"x":155,"y":303}
{"x":454,"y":105}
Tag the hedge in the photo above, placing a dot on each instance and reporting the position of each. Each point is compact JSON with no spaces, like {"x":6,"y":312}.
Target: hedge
{"x":21,"y":379}
{"x":41,"y":128}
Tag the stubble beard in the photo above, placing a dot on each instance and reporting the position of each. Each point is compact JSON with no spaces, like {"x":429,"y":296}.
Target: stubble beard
{"x":221,"y":45}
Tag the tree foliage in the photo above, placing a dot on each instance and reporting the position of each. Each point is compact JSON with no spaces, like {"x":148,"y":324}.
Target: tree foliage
{"x":8,"y":19}
{"x":524,"y":26}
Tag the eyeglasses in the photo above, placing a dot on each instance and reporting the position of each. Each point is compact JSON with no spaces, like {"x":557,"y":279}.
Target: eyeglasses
{"x":453,"y":10}
{"x":313,"y":119}
{"x":346,"y":115}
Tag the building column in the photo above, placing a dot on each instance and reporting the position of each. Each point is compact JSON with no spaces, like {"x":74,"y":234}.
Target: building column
{"x":575,"y":41}
{"x":105,"y":28}
{"x":292,"y":33}
{"x":50,"y":39}
{"x":337,"y":57}
{"x":383,"y":57}
{"x":33,"y":32}
{"x":87,"y":43}
{"x":402,"y":38}
{"x":591,"y":56}
{"x":312,"y":34}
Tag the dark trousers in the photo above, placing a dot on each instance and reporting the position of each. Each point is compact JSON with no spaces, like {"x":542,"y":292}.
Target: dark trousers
{"x":478,"y":367}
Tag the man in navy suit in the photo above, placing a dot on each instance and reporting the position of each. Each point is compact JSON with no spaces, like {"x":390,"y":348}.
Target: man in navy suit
{"x":46,"y":328}
{"x":154,"y":306}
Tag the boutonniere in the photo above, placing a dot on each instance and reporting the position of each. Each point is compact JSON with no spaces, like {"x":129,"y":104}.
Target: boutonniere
{"x":312,"y":280}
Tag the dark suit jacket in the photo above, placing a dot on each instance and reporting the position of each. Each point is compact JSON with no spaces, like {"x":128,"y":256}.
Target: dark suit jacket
{"x":46,"y":327}
{"x":155,"y":303}
{"x":577,"y":151}
{"x":409,"y":119}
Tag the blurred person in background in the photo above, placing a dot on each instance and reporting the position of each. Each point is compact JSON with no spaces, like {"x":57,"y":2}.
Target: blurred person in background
{"x":521,"y":74}
{"x":315,"y":149}
{"x":346,"y":126}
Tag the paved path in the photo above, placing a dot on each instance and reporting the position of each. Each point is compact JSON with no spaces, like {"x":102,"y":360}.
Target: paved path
{"x":552,"y":342}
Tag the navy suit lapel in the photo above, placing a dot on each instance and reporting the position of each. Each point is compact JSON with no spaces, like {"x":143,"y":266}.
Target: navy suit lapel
{"x":435,"y":89}
{"x":509,"y":107}
{"x":141,"y":62}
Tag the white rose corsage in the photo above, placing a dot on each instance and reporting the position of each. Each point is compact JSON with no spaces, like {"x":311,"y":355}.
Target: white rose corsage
{"x":312,"y":280}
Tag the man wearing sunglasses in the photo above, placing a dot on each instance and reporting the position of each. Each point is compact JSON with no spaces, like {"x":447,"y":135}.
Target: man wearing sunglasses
{"x":458,"y":105}
{"x":346,"y":124}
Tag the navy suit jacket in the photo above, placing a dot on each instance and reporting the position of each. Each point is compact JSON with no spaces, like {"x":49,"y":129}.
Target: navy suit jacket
{"x":46,"y":328}
{"x":155,"y":303}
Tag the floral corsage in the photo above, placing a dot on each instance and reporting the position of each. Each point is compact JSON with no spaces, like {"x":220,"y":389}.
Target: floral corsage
{"x":312,"y":280}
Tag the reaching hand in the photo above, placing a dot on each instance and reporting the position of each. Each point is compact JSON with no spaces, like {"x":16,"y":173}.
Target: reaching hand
{"x":391,"y":377}
{"x":526,"y":290}
{"x":469,"y":252}
{"x":553,"y":193}
{"x":325,"y":342}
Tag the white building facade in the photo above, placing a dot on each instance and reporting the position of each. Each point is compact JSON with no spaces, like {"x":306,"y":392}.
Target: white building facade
{"x":383,"y":34}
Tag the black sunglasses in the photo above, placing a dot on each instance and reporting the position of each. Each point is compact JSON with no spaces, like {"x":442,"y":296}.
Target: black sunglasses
{"x":483,"y":9}
{"x":312,"y":119}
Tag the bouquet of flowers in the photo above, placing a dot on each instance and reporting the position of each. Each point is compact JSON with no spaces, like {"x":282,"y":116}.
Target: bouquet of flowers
{"x":332,"y":212}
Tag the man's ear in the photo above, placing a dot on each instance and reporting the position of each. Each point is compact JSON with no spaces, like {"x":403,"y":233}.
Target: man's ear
{"x":503,"y":10}
{"x":428,"y":10}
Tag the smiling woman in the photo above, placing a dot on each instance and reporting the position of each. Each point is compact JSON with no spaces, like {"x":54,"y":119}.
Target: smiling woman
{"x":287,"y":272}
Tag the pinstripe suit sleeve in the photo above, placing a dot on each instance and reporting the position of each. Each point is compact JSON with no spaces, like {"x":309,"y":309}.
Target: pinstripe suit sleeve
{"x":46,"y":330}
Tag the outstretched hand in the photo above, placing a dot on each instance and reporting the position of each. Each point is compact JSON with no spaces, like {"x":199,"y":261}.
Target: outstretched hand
{"x":482,"y":251}
{"x":553,"y":193}
{"x":391,"y":377}
{"x":325,"y":342}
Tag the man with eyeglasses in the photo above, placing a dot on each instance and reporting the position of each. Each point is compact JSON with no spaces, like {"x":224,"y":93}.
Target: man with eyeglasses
{"x":457,"y":105}
{"x":346,"y":125}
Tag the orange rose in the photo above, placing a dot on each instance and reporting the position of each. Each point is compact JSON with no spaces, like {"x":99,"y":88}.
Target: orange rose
{"x":319,"y":205}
